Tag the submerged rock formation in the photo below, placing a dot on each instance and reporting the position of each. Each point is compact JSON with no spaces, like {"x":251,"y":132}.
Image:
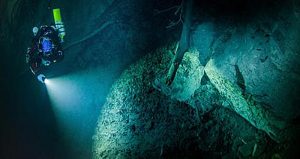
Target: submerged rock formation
{"x":140,"y":121}
{"x":256,"y":114}
{"x":235,"y":93}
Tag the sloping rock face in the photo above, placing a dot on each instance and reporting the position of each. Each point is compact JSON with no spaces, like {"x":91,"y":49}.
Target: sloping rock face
{"x":138,"y":121}
{"x":212,"y":110}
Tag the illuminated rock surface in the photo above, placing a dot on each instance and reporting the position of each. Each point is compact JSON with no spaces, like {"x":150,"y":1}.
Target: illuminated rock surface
{"x":244,"y":104}
{"x":140,"y":121}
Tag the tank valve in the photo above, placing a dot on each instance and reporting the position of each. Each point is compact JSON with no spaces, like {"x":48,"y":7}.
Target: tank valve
{"x":59,"y":25}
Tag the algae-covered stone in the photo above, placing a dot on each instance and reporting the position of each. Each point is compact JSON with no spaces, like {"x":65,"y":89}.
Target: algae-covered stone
{"x":137,"y":120}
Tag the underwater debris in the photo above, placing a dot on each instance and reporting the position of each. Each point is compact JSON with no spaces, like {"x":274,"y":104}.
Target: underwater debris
{"x":184,"y":43}
{"x":254,"y":113}
{"x":187,"y":79}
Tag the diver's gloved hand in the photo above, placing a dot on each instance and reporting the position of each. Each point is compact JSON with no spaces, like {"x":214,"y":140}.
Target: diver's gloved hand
{"x":41,"y":78}
{"x":35,"y":31}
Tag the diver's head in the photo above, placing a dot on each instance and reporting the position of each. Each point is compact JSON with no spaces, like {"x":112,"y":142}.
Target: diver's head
{"x":35,"y":30}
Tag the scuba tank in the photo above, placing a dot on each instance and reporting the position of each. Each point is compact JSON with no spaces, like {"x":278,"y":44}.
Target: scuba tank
{"x":59,"y":24}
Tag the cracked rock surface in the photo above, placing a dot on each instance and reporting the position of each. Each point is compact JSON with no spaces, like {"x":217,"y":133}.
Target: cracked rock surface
{"x":138,"y":121}
{"x":237,"y":107}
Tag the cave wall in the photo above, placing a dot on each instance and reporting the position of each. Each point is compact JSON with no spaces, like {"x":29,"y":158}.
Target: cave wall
{"x":262,"y":41}
{"x":254,"y":46}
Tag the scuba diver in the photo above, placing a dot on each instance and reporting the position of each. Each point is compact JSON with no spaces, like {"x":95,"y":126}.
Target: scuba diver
{"x":46,"y":46}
